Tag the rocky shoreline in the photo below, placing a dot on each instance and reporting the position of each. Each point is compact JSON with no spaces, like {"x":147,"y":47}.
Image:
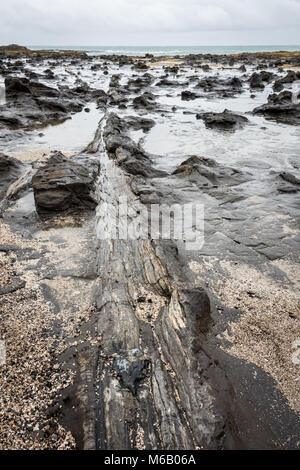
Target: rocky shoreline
{"x":144,"y":344}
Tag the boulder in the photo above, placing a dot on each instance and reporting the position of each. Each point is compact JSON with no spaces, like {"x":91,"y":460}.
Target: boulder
{"x":15,"y":86}
{"x":256,"y":81}
{"x":146,"y":100}
{"x":223,"y":121}
{"x":187,"y":95}
{"x":65,"y":184}
{"x":208,"y":174}
{"x":281,"y":108}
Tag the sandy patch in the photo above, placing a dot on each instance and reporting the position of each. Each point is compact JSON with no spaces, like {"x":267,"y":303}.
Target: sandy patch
{"x":268,"y":332}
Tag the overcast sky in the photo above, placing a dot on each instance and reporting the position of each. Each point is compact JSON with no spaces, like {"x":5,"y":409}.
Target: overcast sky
{"x":149,"y":22}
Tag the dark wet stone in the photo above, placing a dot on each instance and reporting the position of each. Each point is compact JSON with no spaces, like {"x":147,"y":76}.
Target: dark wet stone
{"x":256,"y":81}
{"x":140,"y":66}
{"x":207,"y":174}
{"x":224,"y":121}
{"x":117,"y":97}
{"x":187,"y":95}
{"x":52,"y":105}
{"x":235,"y":83}
{"x":284,"y":97}
{"x":285,"y":112}
{"x":14,"y":47}
{"x":196,"y":304}
{"x":131,"y":370}
{"x":17,"y":284}
{"x":137,"y":123}
{"x":140,"y":82}
{"x":223,"y":88}
{"x":7,"y":248}
{"x":167,"y":82}
{"x":290,"y":77}
{"x":31,"y":103}
{"x":125,"y":151}
{"x":10,"y":170}
{"x":114,"y":81}
{"x":267,"y":76}
{"x":147,"y":100}
{"x":64,"y":184}
{"x":102,"y":98}
{"x":15,"y":86}
{"x":290,"y":178}
{"x":173,"y":70}
{"x":278,"y":86}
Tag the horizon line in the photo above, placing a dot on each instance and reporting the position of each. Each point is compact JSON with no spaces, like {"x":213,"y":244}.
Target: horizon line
{"x":163,"y":45}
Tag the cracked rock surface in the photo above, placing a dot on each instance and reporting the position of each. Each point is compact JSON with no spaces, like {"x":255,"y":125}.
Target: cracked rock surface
{"x":118,"y":341}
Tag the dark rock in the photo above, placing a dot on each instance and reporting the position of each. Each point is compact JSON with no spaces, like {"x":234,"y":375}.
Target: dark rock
{"x":65,"y":184}
{"x":173,"y":70}
{"x":15,"y":86}
{"x":53,"y":106}
{"x":137,"y":123}
{"x":7,"y":248}
{"x":278,"y":86}
{"x":285,"y":112}
{"x":114,"y":81}
{"x":116,"y":98}
{"x":140,"y":66}
{"x":131,"y":370}
{"x":290,"y":178}
{"x":196,"y":304}
{"x":207,"y":174}
{"x":10,"y":170}
{"x":235,"y":83}
{"x":290,"y":77}
{"x":147,"y":100}
{"x":14,"y":47}
{"x":224,"y":88}
{"x":49,"y":74}
{"x":282,"y":98}
{"x":256,"y":81}
{"x":267,"y":76}
{"x":17,"y":284}
{"x":224,"y":121}
{"x":140,"y":82}
{"x":102,"y":98}
{"x":167,"y":82}
{"x":125,"y":151}
{"x":187,"y":95}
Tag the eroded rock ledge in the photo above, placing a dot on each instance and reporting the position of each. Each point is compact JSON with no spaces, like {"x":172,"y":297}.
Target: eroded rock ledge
{"x":151,"y":367}
{"x":159,"y":379}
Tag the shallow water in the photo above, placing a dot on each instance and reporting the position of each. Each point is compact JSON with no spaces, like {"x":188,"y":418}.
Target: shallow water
{"x":261,"y":148}
{"x":71,"y":136}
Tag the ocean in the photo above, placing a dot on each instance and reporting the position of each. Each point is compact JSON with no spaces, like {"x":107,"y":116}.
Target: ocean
{"x":169,"y":50}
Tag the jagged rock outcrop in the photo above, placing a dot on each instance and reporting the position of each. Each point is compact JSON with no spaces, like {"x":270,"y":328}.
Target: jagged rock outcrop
{"x":208,"y":174}
{"x":125,"y":151}
{"x":65,"y":184}
{"x":224,"y":121}
{"x":281,"y":107}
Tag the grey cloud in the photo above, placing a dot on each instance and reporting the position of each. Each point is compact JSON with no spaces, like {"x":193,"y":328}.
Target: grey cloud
{"x":94,"y":21}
